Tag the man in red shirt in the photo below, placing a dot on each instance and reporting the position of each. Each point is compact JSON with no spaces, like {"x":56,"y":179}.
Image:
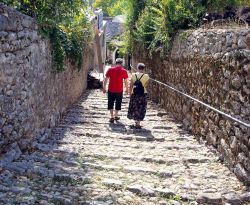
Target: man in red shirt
{"x":116,"y":75}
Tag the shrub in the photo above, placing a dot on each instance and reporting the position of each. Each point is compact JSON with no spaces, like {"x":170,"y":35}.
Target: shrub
{"x":64,"y":22}
{"x":154,"y":23}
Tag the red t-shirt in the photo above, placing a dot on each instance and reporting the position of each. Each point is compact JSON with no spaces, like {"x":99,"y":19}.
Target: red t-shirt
{"x":116,"y":76}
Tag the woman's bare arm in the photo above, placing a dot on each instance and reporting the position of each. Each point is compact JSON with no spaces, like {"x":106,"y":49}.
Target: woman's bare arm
{"x":131,"y":85}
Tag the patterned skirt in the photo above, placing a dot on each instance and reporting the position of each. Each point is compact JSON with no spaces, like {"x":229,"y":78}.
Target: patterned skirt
{"x":137,"y":107}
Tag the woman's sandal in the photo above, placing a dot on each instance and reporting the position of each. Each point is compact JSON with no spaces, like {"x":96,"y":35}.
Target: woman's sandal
{"x":117,"y":118}
{"x":135,"y":126}
{"x":111,"y":120}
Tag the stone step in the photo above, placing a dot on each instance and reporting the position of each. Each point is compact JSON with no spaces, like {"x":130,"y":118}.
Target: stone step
{"x":112,"y":142}
{"x":159,"y":160}
{"x":190,"y":186}
{"x":130,"y":169}
{"x":201,"y":198}
{"x":191,"y":157}
{"x":144,"y":190}
{"x":145,"y":137}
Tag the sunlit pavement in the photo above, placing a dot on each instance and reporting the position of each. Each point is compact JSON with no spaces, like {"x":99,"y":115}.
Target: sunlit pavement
{"x":87,"y":160}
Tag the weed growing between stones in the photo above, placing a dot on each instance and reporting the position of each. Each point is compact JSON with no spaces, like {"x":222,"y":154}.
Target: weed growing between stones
{"x":184,"y":35}
{"x":101,"y":157}
{"x":176,"y":197}
{"x":70,"y":181}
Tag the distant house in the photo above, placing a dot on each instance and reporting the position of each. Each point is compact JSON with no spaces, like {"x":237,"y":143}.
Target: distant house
{"x":115,"y":27}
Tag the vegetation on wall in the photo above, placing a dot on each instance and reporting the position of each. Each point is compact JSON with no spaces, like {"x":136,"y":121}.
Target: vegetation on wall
{"x":64,"y":22}
{"x":219,"y":5}
{"x":154,"y":23}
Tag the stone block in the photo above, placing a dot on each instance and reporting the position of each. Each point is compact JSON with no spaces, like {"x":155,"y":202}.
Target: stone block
{"x":3,"y":34}
{"x":209,"y":198}
{"x":234,"y":144}
{"x":113,"y":183}
{"x":13,"y":154}
{"x":211,"y":138}
{"x":137,"y":190}
{"x":248,"y":41}
{"x":242,"y":173}
{"x":236,"y":82}
{"x":11,"y":37}
{"x":4,"y":23}
{"x":245,"y":197}
{"x":232,"y":199}
{"x":242,"y":43}
{"x":2,"y":121}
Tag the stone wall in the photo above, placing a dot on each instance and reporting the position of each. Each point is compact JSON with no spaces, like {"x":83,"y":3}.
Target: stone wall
{"x":33,"y":95}
{"x":213,"y":66}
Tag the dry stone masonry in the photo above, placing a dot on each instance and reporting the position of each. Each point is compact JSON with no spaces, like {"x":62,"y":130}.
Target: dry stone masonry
{"x":32,"y":95}
{"x":212,"y":65}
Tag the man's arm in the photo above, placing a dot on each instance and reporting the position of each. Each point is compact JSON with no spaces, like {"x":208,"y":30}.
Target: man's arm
{"x":125,"y":76}
{"x":105,"y":81}
{"x":126,"y":85}
{"x":105,"y":84}
{"x":147,"y":81}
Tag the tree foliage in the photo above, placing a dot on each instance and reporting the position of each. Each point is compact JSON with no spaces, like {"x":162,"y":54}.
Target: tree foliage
{"x":112,"y":7}
{"x":64,"y":21}
{"x":219,"y":5}
{"x":155,"y":22}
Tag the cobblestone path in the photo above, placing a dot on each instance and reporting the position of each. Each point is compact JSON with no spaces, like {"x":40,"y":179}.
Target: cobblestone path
{"x":89,"y":161}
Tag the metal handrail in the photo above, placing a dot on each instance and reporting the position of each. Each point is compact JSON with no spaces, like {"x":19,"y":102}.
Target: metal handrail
{"x":200,"y":102}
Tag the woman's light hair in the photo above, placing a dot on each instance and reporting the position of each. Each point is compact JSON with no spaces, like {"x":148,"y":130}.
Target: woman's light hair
{"x":141,"y":66}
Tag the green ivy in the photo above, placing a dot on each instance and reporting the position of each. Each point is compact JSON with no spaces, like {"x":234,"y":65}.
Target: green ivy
{"x":58,"y":52}
{"x":64,"y":22}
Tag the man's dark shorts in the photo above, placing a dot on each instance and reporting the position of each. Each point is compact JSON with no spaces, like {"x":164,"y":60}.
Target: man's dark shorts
{"x":114,"y":98}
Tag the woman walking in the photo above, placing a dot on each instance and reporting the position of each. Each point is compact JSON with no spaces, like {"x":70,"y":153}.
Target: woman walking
{"x":138,"y":96}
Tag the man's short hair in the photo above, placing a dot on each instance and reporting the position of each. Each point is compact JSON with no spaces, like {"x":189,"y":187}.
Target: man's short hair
{"x":141,"y":66}
{"x":119,"y":61}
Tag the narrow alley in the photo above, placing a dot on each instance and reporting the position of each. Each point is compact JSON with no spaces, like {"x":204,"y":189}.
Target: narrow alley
{"x":87,"y":160}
